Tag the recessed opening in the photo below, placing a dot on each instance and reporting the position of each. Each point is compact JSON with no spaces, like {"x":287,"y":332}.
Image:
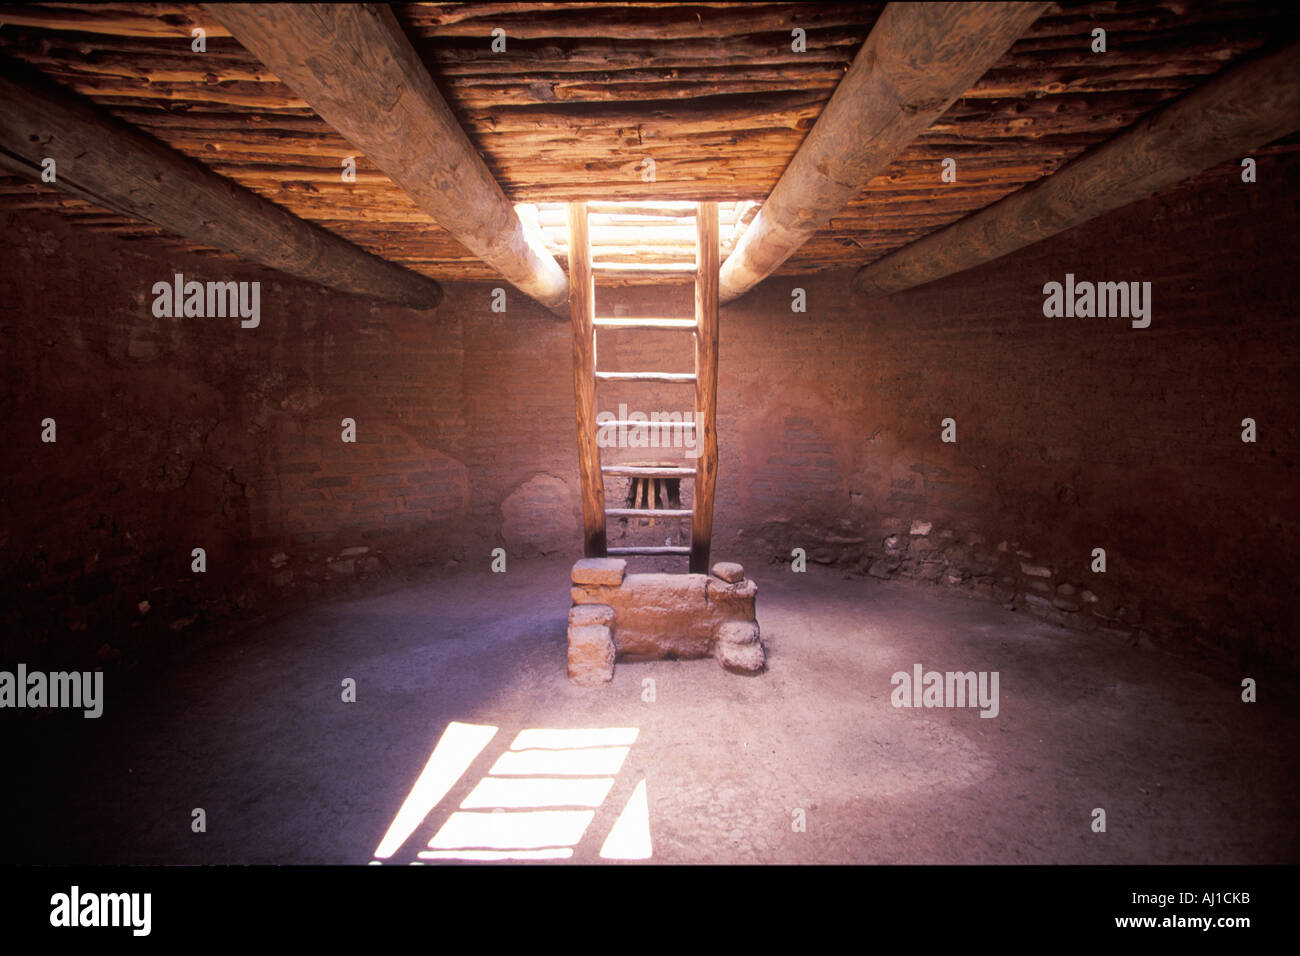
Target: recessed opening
{"x":634,"y":241}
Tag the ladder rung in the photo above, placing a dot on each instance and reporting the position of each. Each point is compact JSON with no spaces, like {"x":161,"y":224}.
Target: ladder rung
{"x":647,"y":471}
{"x":672,"y":378}
{"x":680,"y":325}
{"x":647,"y":513}
{"x":663,"y":549}
{"x":629,"y":423}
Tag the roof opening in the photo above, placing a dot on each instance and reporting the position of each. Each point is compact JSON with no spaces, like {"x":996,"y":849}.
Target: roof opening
{"x":637,"y":242}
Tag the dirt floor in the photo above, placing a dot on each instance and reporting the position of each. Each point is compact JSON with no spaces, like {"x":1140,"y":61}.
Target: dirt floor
{"x":252,"y":729}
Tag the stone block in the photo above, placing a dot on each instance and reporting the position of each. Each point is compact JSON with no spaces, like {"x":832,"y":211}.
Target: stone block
{"x":735,"y":600}
{"x":738,"y":632}
{"x":729,"y":571}
{"x":741,"y":658}
{"x":582,"y":615}
{"x":591,"y":655}
{"x":605,"y":571}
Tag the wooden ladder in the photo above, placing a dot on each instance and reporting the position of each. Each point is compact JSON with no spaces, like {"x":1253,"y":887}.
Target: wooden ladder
{"x":582,"y":307}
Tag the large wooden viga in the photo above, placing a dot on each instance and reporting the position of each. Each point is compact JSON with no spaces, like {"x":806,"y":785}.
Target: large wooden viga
{"x":1247,"y":106}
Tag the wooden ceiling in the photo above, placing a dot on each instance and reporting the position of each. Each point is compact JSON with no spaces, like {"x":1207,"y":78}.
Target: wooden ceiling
{"x":585,"y":93}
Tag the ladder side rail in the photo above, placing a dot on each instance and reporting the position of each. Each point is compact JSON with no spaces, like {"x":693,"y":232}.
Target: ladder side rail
{"x":706,"y":382}
{"x":582,"y":313}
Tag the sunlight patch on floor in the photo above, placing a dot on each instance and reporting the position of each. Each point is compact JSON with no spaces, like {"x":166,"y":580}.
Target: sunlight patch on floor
{"x":537,"y":802}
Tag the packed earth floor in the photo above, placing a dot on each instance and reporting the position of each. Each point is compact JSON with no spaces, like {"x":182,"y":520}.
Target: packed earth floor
{"x":809,"y":762}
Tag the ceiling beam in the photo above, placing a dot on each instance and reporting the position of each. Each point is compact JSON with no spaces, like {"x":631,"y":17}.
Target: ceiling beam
{"x":355,"y":66}
{"x":917,"y":60}
{"x":105,"y":161}
{"x":1241,"y":108}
